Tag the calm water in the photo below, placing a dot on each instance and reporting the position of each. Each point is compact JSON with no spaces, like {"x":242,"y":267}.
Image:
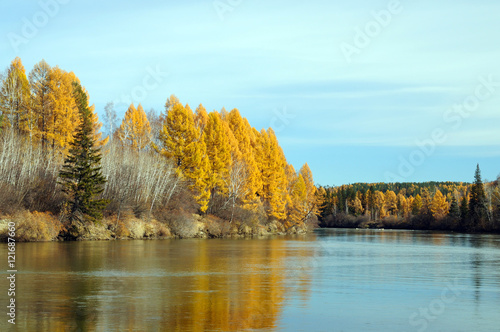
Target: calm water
{"x":331,"y":280}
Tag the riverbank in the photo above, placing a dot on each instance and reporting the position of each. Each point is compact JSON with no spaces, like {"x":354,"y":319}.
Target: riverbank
{"x":36,"y":226}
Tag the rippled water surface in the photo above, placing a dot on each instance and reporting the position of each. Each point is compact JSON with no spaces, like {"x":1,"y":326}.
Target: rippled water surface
{"x":330,"y":280}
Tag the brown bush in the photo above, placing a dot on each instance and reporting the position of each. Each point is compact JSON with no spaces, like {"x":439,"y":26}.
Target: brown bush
{"x":394,"y":222}
{"x":121,"y":231}
{"x":183,"y":224}
{"x":217,"y":227}
{"x":36,"y":226}
{"x":96,"y":231}
{"x":136,"y":228}
{"x":156,"y":229}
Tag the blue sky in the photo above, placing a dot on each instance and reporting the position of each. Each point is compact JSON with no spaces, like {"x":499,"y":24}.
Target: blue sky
{"x":356,"y":89}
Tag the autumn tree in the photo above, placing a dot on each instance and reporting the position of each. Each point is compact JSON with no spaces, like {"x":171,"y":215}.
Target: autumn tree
{"x":391,"y":202}
{"x":15,"y":98}
{"x":310,"y":202}
{"x":218,"y":152}
{"x":81,"y":175}
{"x":272,"y":165}
{"x":63,"y":117}
{"x":495,"y":202}
{"x":357,"y":206}
{"x":416,"y":205}
{"x":134,"y":130}
{"x":298,"y":196}
{"x":379,"y":204}
{"x":39,"y":85}
{"x":200,"y":118}
{"x":170,"y":103}
{"x":403,"y":206}
{"x":426,"y":203}
{"x":439,"y":206}
{"x":371,"y":203}
{"x":180,"y":142}
{"x":246,"y":141}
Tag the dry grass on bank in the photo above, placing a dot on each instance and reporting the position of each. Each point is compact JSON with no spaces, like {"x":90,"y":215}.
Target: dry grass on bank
{"x":38,"y":226}
{"x":32,"y":227}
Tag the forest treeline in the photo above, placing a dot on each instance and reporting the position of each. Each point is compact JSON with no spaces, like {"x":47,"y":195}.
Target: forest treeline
{"x":161,"y":171}
{"x":456,"y":206}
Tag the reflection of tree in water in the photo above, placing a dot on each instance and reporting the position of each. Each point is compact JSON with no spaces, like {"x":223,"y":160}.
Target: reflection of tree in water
{"x":83,"y":306}
{"x":476,"y":241}
{"x":238,"y":290}
{"x":186,"y":285}
{"x":477,"y":276}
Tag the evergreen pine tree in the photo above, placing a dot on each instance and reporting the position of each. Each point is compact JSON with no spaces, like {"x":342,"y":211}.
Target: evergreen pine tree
{"x":477,"y":203}
{"x":464,"y":212}
{"x":81,"y":175}
{"x":454,"y":208}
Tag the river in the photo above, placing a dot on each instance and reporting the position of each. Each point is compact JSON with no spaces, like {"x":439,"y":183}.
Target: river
{"x":329,"y":280}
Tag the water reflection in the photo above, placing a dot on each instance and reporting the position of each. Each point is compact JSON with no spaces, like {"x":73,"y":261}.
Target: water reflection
{"x":330,"y":280}
{"x":188,"y":285}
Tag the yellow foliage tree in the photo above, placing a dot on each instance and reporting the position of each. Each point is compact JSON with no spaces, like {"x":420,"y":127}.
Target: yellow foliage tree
{"x":403,"y":206}
{"x":426,"y":202}
{"x":218,"y":153}
{"x":439,"y":207}
{"x":297,"y":208}
{"x":63,"y":117}
{"x":135,"y":130}
{"x":416,"y":205}
{"x":181,"y":142}
{"x":244,"y":136}
{"x":272,"y":165}
{"x":39,"y":84}
{"x":357,"y":206}
{"x":379,"y":204}
{"x":391,"y":202}
{"x":15,"y":99}
{"x":311,"y":204}
{"x":200,"y":118}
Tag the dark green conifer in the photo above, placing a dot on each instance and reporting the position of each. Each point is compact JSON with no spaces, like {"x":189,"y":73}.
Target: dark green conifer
{"x":478,"y":211}
{"x":81,"y":175}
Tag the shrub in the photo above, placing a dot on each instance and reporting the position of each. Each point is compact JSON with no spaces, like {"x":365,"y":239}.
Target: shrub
{"x":36,"y":226}
{"x":341,"y":220}
{"x":183,"y":224}
{"x":217,"y":227}
{"x":136,"y":228}
{"x":120,"y":230}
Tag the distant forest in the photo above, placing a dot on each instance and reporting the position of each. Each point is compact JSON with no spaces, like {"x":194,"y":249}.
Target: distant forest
{"x":456,"y":206}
